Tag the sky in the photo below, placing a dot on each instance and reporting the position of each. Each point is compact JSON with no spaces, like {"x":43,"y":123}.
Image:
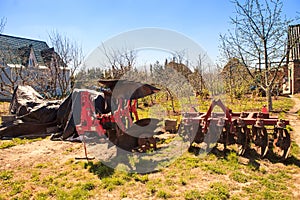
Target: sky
{"x":93,"y":22}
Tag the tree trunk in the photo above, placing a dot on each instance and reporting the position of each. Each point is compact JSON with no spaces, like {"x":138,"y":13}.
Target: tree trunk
{"x":269,"y":98}
{"x":172,"y":100}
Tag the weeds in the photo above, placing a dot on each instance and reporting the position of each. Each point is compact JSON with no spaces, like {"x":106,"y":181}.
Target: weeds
{"x":218,"y":190}
{"x":295,"y":149}
{"x":239,"y":177}
{"x":99,"y":169}
{"x":119,"y":178}
{"x":88,"y":186}
{"x":140,"y":178}
{"x":183,"y":181}
{"x":35,"y":176}
{"x":123,"y":194}
{"x":41,"y":165}
{"x":89,"y":179}
{"x":16,"y":187}
{"x":192,"y":195}
{"x":283,"y":104}
{"x":163,"y":194}
{"x":213,"y":168}
{"x":16,"y":141}
{"x":6,"y":175}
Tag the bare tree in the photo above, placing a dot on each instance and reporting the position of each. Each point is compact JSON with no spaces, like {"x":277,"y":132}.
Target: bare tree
{"x":258,"y":40}
{"x":13,"y":70}
{"x":197,"y":78}
{"x":67,"y":58}
{"x":2,"y":24}
{"x":9,"y":77}
{"x":179,"y":56}
{"x":119,"y":61}
{"x":4,"y":90}
{"x":88,"y":78}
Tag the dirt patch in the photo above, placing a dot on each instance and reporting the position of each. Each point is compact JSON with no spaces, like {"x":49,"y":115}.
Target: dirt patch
{"x":39,"y":152}
{"x":292,"y":116}
{"x":294,"y":121}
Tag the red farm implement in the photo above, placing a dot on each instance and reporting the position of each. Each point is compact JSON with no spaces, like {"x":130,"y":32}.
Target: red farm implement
{"x":240,"y":128}
{"x":121,"y":126}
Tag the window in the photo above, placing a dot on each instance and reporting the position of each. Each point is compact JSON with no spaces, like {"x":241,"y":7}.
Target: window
{"x":30,"y":62}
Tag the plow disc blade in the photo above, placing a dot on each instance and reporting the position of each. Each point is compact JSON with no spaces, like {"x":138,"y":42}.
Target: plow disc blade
{"x":243,"y":142}
{"x":261,"y":140}
{"x":282,"y":143}
{"x":262,"y":150}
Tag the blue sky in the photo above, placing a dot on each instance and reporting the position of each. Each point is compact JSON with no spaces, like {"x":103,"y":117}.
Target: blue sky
{"x":93,"y":22}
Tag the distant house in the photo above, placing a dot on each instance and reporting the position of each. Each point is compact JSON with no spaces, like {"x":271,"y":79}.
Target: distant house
{"x":291,"y":82}
{"x":30,"y":62}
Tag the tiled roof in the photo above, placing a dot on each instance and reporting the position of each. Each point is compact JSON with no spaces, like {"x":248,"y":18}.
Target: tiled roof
{"x":20,"y":47}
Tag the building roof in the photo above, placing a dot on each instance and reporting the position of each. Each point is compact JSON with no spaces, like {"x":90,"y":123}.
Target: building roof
{"x":16,"y":49}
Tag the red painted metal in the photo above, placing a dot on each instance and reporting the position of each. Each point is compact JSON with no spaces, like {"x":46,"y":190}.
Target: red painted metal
{"x":133,"y":108}
{"x":124,"y":112}
{"x":88,"y":118}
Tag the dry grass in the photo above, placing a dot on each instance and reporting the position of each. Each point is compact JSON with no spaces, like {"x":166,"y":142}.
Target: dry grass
{"x":4,"y":108}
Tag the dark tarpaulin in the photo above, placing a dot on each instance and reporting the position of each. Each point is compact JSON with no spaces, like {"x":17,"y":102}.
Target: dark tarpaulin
{"x":37,"y":117}
{"x":34,"y":116}
{"x":23,"y":99}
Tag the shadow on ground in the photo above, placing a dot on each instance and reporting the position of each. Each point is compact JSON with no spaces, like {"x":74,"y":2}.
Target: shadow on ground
{"x":252,"y":157}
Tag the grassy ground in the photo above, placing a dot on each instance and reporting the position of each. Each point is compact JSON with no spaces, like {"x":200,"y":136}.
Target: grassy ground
{"x":215,"y":176}
{"x":16,"y":141}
